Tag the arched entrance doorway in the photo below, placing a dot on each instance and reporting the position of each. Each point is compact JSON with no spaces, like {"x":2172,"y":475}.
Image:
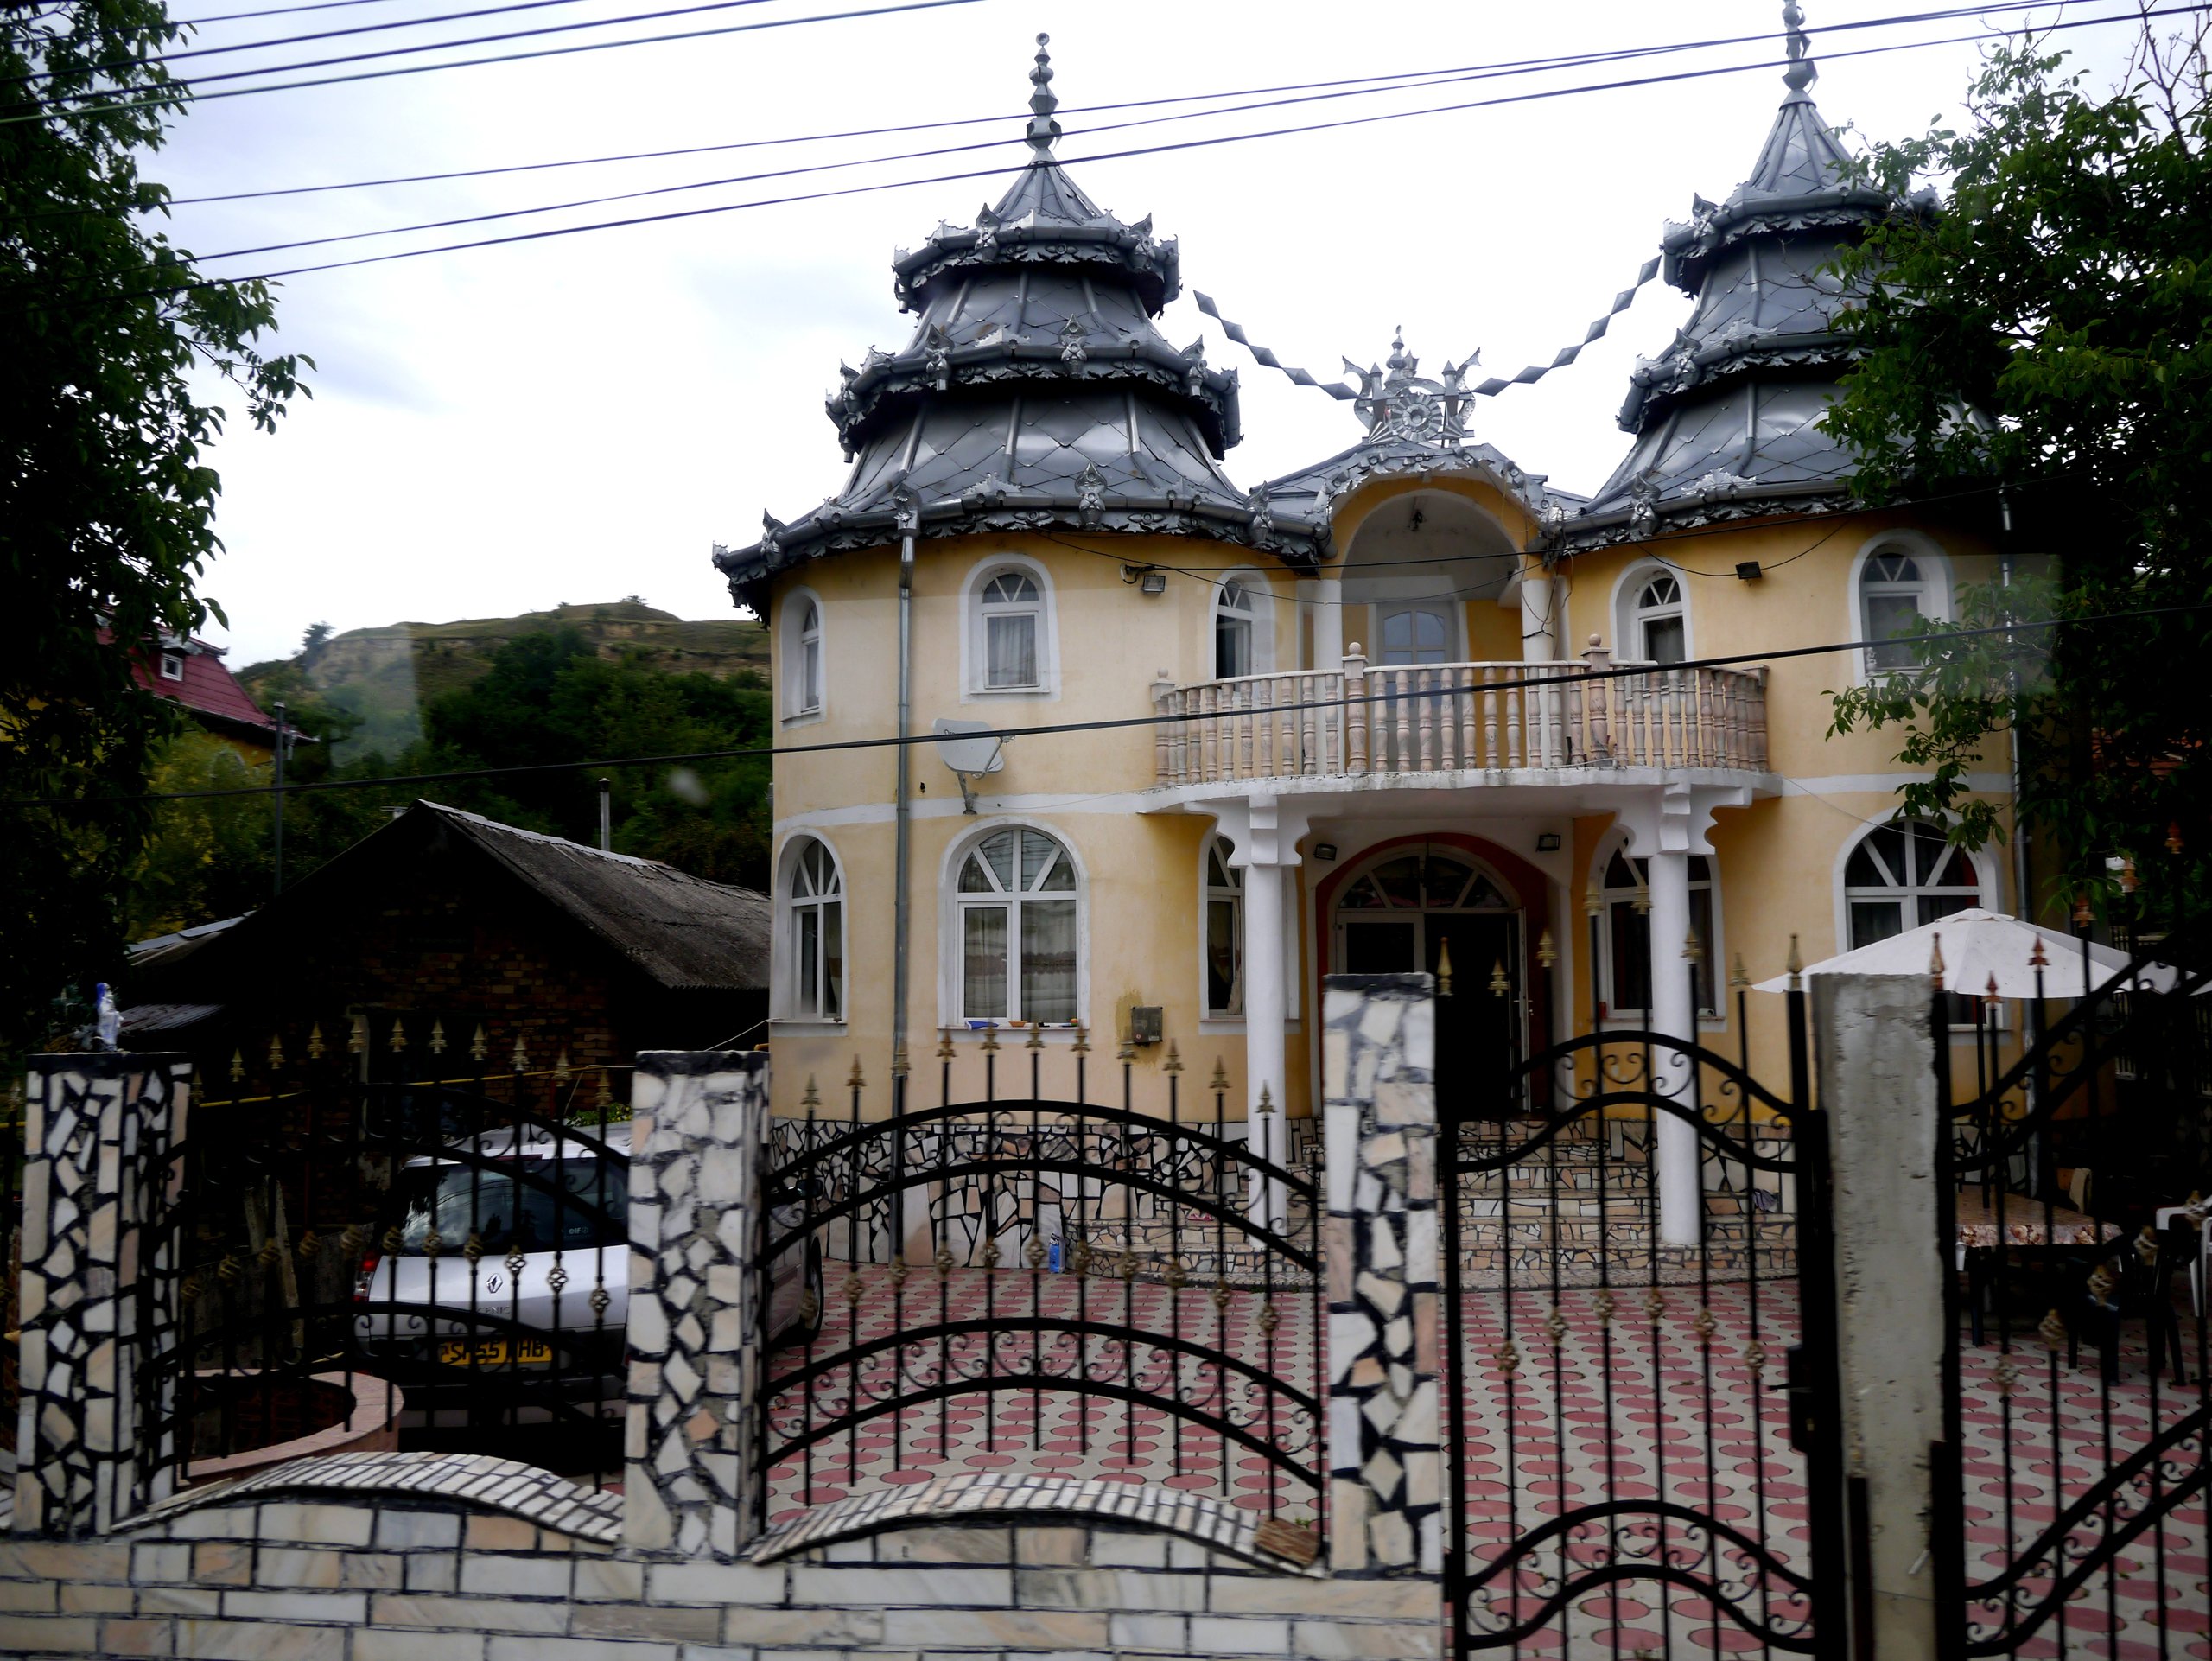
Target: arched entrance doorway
{"x":1403,"y":911}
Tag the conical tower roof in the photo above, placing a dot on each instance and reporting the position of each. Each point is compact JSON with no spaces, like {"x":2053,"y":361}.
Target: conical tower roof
{"x":1035,"y":391}
{"x":1726,"y":418}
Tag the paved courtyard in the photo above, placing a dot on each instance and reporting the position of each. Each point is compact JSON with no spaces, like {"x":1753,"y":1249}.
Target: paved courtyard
{"x":1648,"y":1405}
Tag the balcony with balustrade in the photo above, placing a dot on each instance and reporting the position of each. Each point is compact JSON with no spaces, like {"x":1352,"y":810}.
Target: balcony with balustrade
{"x":1582,"y":723}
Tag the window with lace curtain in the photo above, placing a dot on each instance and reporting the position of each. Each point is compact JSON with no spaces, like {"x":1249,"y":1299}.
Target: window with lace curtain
{"x":1016,"y":907}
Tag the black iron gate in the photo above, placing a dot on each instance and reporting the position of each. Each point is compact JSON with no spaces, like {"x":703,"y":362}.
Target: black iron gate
{"x":2072,"y":1489}
{"x":1649,"y":1461}
{"x":1047,"y":1283}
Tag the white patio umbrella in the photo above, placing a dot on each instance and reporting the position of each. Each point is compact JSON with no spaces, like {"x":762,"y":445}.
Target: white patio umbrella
{"x":1977,"y":944}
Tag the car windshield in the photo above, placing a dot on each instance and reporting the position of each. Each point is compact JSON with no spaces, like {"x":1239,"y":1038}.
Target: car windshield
{"x":525,"y":1205}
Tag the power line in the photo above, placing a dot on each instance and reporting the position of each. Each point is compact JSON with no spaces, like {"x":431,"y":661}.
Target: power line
{"x":273,"y":11}
{"x":1143,"y":151}
{"x":1109,"y":724}
{"x":41,"y":108}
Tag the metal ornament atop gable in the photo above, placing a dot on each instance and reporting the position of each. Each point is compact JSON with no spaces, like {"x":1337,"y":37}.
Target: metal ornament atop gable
{"x":1400,"y":405}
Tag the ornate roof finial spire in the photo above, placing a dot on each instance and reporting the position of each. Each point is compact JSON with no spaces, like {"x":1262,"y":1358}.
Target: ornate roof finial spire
{"x":1044,"y":131}
{"x":1803,"y":71}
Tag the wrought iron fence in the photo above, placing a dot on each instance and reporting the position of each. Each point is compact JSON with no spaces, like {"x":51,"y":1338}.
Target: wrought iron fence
{"x":2078,"y":1368}
{"x":1051,"y":1282}
{"x":391,"y":1242}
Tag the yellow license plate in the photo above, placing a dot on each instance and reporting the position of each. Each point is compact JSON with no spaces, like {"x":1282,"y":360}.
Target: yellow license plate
{"x":494,"y":1353}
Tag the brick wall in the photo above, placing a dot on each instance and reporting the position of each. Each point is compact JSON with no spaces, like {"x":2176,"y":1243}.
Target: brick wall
{"x":288,"y":1579}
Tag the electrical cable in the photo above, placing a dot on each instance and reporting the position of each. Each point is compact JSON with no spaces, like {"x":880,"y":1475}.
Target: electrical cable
{"x":273,"y":11}
{"x":1108,"y":724}
{"x":1406,"y":80}
{"x":1104,"y":156}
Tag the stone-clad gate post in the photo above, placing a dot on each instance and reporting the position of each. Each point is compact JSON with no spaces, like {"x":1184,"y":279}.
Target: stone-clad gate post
{"x":697,"y":1302}
{"x":97,"y":1302}
{"x":1380,"y":1248}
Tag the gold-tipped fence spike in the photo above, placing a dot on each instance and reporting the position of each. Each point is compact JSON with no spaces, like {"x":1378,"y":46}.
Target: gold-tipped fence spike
{"x":437,"y":1037}
{"x":1499,"y":986}
{"x":1220,"y":1079}
{"x":1992,"y":990}
{"x":276,"y":1051}
{"x":1594,"y":898}
{"x":991,"y":1039}
{"x":1082,"y":1039}
{"x":519,"y":1061}
{"x":1128,"y":1051}
{"x":357,"y":1035}
{"x":856,"y":1079}
{"x":237,"y":1067}
{"x":1036,"y":1040}
{"x":1693,"y":948}
{"x":314,"y":1042}
{"x":944,"y":1044}
{"x":478,"y":1049}
{"x":810,"y":1098}
{"x":2037,"y":959}
{"x":1736,"y":974}
{"x":1936,"y":958}
{"x":561,"y":1071}
{"x":899,"y":1066}
{"x":1174,"y":1061}
{"x":1795,"y":963}
{"x":1642,"y":896}
{"x":2083,"y":913}
{"x":398,"y":1034}
{"x":1547,"y":954}
{"x":1267,"y":1098}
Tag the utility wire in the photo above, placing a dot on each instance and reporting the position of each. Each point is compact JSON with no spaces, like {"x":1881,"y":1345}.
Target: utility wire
{"x":1406,"y":80}
{"x":1123,"y":155}
{"x":274,"y":11}
{"x":1114,"y":723}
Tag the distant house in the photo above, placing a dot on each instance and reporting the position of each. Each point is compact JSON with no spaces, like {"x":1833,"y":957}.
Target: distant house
{"x":443,"y":919}
{"x":191,"y":673}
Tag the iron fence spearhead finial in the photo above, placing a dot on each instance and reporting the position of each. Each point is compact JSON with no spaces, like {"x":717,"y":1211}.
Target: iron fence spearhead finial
{"x":314,"y":1042}
{"x":276,"y":1051}
{"x":1174,"y":1061}
{"x":437,"y":1036}
{"x":856,"y":1080}
{"x":1936,"y":961}
{"x":1795,"y":965}
{"x":1547,"y":954}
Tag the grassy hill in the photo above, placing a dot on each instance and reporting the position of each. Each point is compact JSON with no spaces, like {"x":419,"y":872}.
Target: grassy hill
{"x":386,"y":675}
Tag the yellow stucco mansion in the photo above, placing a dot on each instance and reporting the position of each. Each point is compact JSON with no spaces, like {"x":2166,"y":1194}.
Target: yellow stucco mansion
{"x":1348,"y":720}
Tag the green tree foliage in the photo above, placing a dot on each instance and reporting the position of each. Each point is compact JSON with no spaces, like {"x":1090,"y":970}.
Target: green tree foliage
{"x":547,"y":698}
{"x":2050,"y":333}
{"x":106,"y":501}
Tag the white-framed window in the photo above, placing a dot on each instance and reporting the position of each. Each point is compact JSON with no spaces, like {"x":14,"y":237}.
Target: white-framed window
{"x":1661,"y":620}
{"x":1017,"y":931}
{"x":1903,"y":874}
{"x":172,"y":665}
{"x":805,"y":662}
{"x":1409,"y":632}
{"x":814,"y":931}
{"x":1224,"y":931}
{"x":1898,"y":581}
{"x":1232,"y":630}
{"x":1010,"y":647}
{"x":1625,"y":936}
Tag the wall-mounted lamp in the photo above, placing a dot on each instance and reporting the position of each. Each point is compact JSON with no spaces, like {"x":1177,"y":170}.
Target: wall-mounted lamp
{"x":1547,"y":842}
{"x":1325,"y":851}
{"x":1149,"y":579}
{"x":1749,"y":570}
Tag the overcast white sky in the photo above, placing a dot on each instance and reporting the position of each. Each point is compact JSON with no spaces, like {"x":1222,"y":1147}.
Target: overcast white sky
{"x":579,"y":418}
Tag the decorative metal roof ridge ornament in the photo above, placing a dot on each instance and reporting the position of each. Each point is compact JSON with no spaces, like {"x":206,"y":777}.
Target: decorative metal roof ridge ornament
{"x":1401,"y":406}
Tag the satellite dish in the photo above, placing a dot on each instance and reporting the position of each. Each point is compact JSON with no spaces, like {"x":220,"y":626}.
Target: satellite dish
{"x":971,"y":750}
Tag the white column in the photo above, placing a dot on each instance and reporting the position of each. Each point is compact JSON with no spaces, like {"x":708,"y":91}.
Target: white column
{"x":1540,"y":637}
{"x":1265,"y":839}
{"x":1681,"y":1199}
{"x":1328,"y":598}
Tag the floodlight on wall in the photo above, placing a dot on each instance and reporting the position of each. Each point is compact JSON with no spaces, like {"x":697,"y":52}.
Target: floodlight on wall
{"x":971,"y":750}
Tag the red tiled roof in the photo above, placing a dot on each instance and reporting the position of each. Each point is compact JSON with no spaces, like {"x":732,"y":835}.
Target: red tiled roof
{"x":207,"y":688}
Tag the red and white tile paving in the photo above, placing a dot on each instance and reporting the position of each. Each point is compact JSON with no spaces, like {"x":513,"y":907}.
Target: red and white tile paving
{"x":1643,"y":1407}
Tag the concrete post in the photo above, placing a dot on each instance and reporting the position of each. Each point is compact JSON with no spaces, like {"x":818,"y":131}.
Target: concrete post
{"x":1681,"y":1196}
{"x":1328,"y":608}
{"x":98,"y":1295}
{"x":697,"y":1316}
{"x":1877,"y":1090}
{"x":1380,"y":1241}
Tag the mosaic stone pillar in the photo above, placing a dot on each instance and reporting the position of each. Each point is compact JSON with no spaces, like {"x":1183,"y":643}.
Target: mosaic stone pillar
{"x":698,"y":1129}
{"x":99,"y":1297}
{"x":1386,"y":1459}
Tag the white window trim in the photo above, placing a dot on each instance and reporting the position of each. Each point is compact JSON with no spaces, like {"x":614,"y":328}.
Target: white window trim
{"x":949,"y":1012}
{"x":1984,"y":872}
{"x":1628,"y":587}
{"x":783,"y":962}
{"x":1262,"y":616}
{"x":973,"y":658}
{"x":790,"y":660}
{"x":1937,"y":591}
{"x":1455,"y":613}
{"x":1715,"y":950}
{"x":168,"y":658}
{"x":1214,"y":1020}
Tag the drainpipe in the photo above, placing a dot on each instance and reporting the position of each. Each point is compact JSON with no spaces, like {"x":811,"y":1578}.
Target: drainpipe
{"x":902,"y":811}
{"x":2022,"y":887}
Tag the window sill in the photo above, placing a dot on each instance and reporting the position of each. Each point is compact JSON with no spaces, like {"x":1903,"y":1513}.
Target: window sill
{"x":975,"y":693}
{"x":804,"y":1026}
{"x":1233,"y":1024}
{"x":803,"y":718}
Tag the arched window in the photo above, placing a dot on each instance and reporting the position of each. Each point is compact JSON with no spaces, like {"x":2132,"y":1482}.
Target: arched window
{"x":1662,"y":620}
{"x":1224,"y":932}
{"x":806,"y":659}
{"x":1626,"y":943}
{"x":1892,"y":596}
{"x":1233,"y":631}
{"x":1904,"y":875}
{"x":1016,"y":904}
{"x":814,"y":899}
{"x":1013,"y":619}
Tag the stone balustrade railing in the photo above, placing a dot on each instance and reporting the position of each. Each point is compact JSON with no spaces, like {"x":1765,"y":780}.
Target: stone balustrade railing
{"x":1446,"y":717}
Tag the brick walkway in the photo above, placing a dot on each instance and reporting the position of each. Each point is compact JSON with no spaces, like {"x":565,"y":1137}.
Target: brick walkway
{"x":1548,"y":1442}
